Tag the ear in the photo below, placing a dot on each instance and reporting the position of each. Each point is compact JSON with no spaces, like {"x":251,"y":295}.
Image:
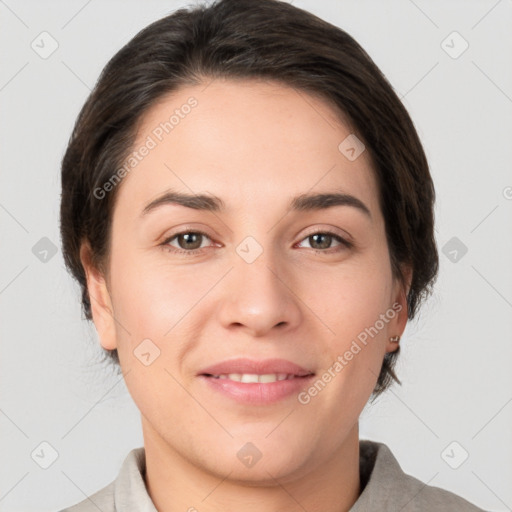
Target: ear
{"x":101,"y":304}
{"x":399,"y":305}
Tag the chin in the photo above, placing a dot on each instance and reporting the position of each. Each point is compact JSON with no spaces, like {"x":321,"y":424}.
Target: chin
{"x":256,"y":460}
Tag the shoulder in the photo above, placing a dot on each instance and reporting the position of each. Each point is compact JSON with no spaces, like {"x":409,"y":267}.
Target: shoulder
{"x":128,"y":488}
{"x":389,"y":488}
{"x":422,"y":497}
{"x":101,"y":500}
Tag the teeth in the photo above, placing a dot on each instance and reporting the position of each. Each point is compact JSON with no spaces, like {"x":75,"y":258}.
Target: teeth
{"x":251,"y":377}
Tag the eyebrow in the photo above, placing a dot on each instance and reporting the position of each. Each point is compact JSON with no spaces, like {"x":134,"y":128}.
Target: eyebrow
{"x":302,"y":202}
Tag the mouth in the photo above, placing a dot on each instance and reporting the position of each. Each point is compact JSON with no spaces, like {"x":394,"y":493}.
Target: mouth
{"x":255,"y":370}
{"x":256,"y":382}
{"x":255,"y":390}
{"x":251,"y":378}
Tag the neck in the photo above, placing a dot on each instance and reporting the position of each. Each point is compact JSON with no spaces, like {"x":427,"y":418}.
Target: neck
{"x":176,"y":483}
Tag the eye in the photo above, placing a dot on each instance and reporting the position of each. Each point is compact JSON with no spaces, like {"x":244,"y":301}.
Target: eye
{"x":321,"y":242}
{"x":189,"y":242}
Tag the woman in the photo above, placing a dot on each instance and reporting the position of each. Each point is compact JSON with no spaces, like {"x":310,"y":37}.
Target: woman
{"x":249,"y":212}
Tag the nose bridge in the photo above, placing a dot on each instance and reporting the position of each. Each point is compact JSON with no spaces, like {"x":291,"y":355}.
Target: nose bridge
{"x":256,"y":272}
{"x":259,"y":271}
{"x":257,"y":295}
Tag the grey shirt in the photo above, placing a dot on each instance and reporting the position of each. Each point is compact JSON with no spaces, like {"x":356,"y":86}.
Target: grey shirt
{"x":386,"y":488}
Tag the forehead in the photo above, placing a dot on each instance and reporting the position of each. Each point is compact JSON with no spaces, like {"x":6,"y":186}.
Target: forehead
{"x":245,"y":140}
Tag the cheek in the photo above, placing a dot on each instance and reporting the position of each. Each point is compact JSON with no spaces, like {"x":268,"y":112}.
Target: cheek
{"x":151,"y":304}
{"x":354,"y":351}
{"x":150,"y":299}
{"x":352,"y":305}
{"x":350,"y":298}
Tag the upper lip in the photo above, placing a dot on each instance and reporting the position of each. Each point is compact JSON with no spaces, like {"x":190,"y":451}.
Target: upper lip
{"x":252,"y":366}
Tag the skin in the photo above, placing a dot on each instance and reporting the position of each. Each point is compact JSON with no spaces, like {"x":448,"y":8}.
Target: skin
{"x":254,"y":144}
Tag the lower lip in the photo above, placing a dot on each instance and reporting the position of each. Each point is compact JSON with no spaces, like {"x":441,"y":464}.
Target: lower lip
{"x":258,"y":393}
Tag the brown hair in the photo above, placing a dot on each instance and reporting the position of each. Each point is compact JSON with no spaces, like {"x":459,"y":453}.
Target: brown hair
{"x":269,"y":40}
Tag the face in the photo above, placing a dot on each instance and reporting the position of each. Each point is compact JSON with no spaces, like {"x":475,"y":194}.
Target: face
{"x":258,"y":277}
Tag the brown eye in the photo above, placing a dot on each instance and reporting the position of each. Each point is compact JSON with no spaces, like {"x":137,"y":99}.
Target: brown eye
{"x":188,"y":242}
{"x":322,"y":241}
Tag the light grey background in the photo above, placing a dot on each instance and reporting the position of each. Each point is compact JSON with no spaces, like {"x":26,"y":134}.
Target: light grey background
{"x":456,"y":358}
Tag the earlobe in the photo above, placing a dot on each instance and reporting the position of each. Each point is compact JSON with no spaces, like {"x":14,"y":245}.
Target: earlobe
{"x":397,"y":327}
{"x":101,"y":304}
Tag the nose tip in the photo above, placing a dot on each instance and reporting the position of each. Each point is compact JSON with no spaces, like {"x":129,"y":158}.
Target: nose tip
{"x":257,"y":298}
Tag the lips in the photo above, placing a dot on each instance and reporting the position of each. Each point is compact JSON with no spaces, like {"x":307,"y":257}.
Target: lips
{"x":255,"y":367}
{"x":249,"y":382}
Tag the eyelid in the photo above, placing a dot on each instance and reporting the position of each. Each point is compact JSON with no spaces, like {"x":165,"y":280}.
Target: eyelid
{"x":329,"y":229}
{"x":189,"y":229}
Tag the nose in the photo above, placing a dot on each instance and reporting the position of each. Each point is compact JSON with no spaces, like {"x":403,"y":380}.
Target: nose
{"x":260,"y":296}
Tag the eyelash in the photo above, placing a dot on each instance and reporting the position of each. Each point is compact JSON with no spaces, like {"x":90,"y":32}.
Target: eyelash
{"x":344,"y":243}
